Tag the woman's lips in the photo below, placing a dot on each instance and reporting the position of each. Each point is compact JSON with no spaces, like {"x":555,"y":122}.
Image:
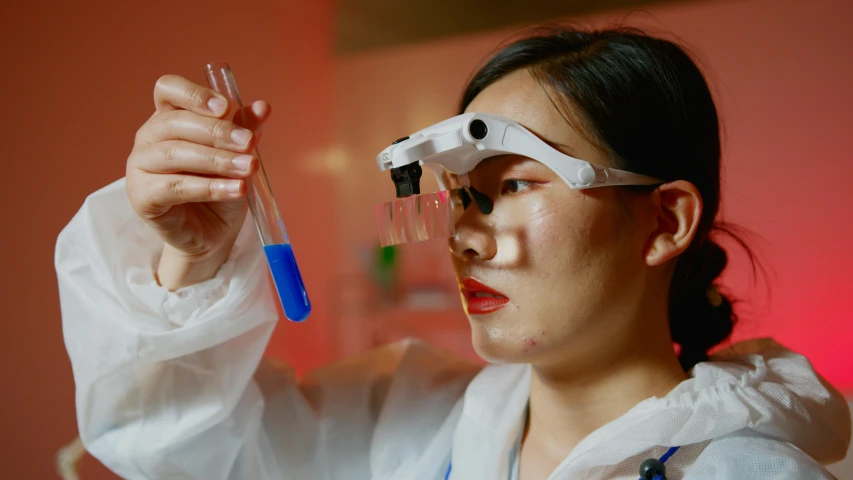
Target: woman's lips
{"x":480,"y":298}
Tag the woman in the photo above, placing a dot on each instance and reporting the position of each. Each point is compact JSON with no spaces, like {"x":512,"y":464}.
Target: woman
{"x":166,"y":325}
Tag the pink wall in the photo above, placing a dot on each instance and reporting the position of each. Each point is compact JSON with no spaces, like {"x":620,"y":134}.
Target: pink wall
{"x":78,"y":78}
{"x":782,"y":75}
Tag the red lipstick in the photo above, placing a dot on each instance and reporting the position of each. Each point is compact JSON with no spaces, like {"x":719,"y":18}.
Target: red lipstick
{"x":480,"y":298}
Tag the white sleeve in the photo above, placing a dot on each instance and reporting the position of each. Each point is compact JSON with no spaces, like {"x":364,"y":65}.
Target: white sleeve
{"x":168,"y":384}
{"x":164,"y":379}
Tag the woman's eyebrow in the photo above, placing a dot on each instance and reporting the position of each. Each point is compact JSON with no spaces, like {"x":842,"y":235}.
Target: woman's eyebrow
{"x":523,"y":162}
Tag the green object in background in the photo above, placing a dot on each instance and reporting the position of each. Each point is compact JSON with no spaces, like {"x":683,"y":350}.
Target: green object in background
{"x":385,"y":268}
{"x":387,"y":255}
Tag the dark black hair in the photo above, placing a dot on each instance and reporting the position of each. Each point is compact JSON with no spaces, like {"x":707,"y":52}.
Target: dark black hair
{"x":646,"y":103}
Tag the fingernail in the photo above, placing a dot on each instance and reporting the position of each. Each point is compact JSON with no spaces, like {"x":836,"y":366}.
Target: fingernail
{"x":233,"y":187}
{"x":216,"y":105}
{"x":241,"y":137}
{"x":242,"y":163}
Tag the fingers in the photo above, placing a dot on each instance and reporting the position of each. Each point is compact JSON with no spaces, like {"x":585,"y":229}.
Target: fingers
{"x":173,"y":92}
{"x":189,"y":126}
{"x":176,"y":156}
{"x":152,"y":195}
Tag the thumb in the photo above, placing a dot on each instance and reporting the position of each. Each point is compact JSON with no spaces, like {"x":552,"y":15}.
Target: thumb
{"x":254,"y":116}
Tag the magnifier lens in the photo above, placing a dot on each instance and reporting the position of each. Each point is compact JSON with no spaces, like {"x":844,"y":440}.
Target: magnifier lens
{"x":418,"y":218}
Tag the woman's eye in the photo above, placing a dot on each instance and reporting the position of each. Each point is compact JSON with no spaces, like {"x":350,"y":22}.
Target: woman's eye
{"x":514,"y":186}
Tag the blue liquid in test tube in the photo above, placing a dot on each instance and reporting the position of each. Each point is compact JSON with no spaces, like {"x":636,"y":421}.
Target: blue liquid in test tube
{"x":279,"y":252}
{"x":288,"y":281}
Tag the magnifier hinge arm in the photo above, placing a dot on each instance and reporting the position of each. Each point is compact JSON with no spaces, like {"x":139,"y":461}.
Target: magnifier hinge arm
{"x":407,"y":179}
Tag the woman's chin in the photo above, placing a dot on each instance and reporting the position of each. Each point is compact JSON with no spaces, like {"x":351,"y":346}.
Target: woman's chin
{"x":495,"y":345}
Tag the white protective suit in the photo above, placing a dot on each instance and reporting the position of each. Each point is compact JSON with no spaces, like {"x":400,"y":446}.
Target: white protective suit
{"x":168,"y":387}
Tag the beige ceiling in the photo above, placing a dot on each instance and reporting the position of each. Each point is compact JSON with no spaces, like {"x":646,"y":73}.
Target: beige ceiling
{"x":367,"y":24}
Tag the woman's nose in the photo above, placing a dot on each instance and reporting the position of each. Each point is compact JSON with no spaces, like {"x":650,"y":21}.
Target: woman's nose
{"x":474,"y":239}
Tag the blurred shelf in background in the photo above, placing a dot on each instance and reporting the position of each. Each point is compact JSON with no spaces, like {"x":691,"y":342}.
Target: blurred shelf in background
{"x":370,"y":24}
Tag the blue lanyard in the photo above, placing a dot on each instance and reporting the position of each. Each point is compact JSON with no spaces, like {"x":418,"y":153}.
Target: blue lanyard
{"x":652,"y":469}
{"x":657,"y":474}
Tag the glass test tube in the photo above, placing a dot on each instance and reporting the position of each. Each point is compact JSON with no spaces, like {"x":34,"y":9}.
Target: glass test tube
{"x":279,"y":253}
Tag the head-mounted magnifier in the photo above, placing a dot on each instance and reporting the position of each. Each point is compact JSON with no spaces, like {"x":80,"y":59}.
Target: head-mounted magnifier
{"x":453,"y":148}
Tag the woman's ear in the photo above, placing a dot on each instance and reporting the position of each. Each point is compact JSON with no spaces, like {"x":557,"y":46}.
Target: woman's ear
{"x":679,"y":210}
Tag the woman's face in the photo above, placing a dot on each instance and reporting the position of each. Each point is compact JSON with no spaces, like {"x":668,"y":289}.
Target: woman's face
{"x":569,"y":263}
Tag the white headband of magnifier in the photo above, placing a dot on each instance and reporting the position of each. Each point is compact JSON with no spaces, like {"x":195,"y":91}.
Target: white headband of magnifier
{"x":458,"y":144}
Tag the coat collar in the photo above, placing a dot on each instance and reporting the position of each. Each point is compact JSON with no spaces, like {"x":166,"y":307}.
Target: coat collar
{"x":773,"y":392}
{"x":493,"y":415}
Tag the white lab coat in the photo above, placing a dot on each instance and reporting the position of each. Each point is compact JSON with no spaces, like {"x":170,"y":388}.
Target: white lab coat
{"x":169,"y":387}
